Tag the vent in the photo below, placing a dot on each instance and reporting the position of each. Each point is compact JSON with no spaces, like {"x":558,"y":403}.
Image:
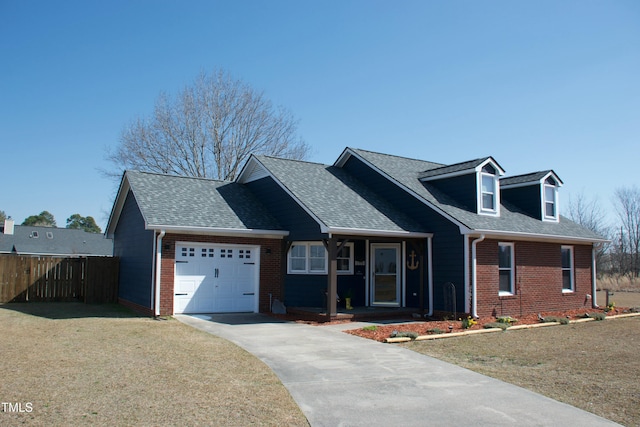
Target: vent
{"x":49,"y":235}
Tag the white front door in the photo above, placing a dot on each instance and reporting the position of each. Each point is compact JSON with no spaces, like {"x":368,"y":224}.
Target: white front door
{"x":385,"y":274}
{"x":216,"y":278}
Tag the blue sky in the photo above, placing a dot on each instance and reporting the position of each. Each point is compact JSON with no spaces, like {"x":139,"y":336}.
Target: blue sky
{"x":537,"y":85}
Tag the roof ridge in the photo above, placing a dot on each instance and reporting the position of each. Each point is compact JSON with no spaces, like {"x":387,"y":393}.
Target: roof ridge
{"x":396,"y":156}
{"x":290,"y":160}
{"x":168,"y":175}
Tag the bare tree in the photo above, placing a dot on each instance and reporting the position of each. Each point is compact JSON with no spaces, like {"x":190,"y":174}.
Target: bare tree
{"x":627,"y":204}
{"x":589,"y":214}
{"x":208,"y":130}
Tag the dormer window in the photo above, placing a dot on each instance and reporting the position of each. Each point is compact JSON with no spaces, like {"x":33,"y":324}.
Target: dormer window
{"x":489,"y":196}
{"x":550,"y":199}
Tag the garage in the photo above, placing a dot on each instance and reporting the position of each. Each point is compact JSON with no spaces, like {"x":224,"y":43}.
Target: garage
{"x":216,"y":278}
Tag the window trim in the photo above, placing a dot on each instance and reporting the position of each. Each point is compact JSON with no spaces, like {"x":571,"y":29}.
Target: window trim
{"x":512,"y":269}
{"x":307,"y":264}
{"x":350,"y":258}
{"x":495,"y":211}
{"x":556,"y":216}
{"x":570,"y":269}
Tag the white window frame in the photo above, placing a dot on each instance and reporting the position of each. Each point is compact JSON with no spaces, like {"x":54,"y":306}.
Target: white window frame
{"x":350,"y":258}
{"x":545,"y":217}
{"x":570,"y":269}
{"x":307,"y":264}
{"x":511,"y":269}
{"x":496,"y":194}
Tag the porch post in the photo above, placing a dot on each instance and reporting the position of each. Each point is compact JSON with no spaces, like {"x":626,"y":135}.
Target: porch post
{"x":332,"y":279}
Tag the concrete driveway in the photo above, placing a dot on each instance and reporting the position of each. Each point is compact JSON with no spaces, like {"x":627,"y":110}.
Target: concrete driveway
{"x":339,"y":379}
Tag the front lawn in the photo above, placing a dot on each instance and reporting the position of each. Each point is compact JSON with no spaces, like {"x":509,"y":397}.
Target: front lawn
{"x":75,"y":364}
{"x":594,"y":366}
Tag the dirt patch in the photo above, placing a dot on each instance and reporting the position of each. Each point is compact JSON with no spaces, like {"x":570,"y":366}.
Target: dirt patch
{"x":77,"y":364}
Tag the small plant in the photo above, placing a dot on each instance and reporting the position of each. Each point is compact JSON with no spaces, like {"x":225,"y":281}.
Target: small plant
{"x":435,"y":331}
{"x":506,"y":320}
{"x":596,"y":316}
{"x":610,"y":307}
{"x":401,"y":334}
{"x":500,"y":325}
{"x":370,"y":328}
{"x":468,"y":322}
{"x":551,"y":319}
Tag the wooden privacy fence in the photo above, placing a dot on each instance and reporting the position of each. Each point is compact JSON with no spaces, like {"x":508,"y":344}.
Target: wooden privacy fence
{"x":92,"y":280}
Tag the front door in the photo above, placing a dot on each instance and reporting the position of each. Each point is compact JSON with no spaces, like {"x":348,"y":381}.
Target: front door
{"x":385,"y":283}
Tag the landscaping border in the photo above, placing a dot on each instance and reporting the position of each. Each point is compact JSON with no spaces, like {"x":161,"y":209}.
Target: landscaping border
{"x":490,"y":330}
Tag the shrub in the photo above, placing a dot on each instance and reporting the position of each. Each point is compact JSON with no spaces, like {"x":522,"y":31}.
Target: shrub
{"x":370,"y":328}
{"x":401,"y":334}
{"x":597,"y":316}
{"x":561,"y":320}
{"x":507,"y":319}
{"x":468,"y":322}
{"x":610,"y":307}
{"x":500,"y":325}
{"x":435,"y":331}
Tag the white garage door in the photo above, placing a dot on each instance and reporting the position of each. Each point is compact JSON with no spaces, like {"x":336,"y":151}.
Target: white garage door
{"x":216,"y":278}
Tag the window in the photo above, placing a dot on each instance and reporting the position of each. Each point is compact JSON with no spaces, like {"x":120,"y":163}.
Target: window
{"x":307,"y":258}
{"x":567,"y":269}
{"x":489,"y":196}
{"x":506,"y":268}
{"x":550,"y":200}
{"x":345,"y":259}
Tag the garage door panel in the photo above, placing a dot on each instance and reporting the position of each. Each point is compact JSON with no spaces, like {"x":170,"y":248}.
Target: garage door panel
{"x":215,"y":278}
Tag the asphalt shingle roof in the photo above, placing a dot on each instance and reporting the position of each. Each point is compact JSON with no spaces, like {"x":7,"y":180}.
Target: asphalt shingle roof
{"x":526,"y":178}
{"x":31,"y":240}
{"x":336,"y":198}
{"x":175,"y":201}
{"x":511,"y":220}
{"x":458,"y":167}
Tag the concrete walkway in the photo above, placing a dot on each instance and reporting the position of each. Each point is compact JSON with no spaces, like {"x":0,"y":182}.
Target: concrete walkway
{"x":339,"y":379}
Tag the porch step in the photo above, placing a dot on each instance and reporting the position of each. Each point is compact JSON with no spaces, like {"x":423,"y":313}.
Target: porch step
{"x":357,"y":314}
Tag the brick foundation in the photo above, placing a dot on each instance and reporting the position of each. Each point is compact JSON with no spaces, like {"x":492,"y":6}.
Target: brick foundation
{"x":270,"y":281}
{"x":538,"y":279}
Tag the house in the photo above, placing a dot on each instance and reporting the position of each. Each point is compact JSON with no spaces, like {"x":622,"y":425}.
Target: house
{"x":389,"y":231}
{"x":51,"y":241}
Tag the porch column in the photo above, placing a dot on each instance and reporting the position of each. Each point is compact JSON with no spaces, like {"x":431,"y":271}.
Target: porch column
{"x":332,"y":279}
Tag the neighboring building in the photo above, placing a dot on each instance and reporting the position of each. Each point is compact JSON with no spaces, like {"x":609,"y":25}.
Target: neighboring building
{"x":390,"y":231}
{"x":52,"y":241}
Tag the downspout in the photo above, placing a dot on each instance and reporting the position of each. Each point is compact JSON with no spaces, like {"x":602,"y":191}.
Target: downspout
{"x":594,"y":287}
{"x":158,"y":272}
{"x":430,"y":275}
{"x":474,"y":280}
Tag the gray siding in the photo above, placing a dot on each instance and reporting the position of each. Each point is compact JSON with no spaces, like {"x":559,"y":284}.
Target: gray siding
{"x":134,"y":245}
{"x":525,"y":198}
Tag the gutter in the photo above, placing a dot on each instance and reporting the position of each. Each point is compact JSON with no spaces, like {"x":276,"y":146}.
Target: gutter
{"x":535,"y":236}
{"x":474,"y":281}
{"x":158,"y":263}
{"x":234,"y":232}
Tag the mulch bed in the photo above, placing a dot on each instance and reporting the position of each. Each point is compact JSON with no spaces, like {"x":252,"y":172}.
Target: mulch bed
{"x":427,"y":327}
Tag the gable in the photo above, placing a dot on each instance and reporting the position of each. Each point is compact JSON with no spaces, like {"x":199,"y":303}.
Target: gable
{"x":185,"y":204}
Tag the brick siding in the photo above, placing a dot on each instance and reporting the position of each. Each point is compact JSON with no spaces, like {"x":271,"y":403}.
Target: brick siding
{"x":270,"y":281}
{"x":538,"y":279}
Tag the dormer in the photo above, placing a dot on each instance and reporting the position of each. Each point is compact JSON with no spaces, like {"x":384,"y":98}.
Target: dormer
{"x":535,"y":193}
{"x":475,"y":184}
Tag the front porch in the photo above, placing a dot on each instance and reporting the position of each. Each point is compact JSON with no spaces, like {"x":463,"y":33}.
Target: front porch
{"x":318,"y":314}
